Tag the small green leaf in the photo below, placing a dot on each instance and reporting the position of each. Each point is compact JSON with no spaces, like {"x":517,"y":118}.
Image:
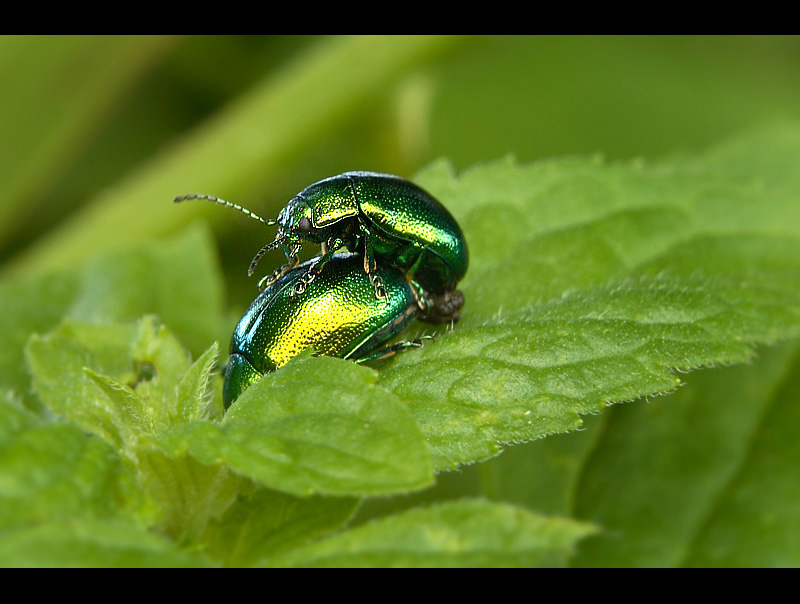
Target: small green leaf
{"x":119,"y":381}
{"x":15,"y":416}
{"x":195,"y":396}
{"x":55,"y":471}
{"x":31,"y":304}
{"x":124,"y":382}
{"x":90,"y":543}
{"x":183,"y":286}
{"x":317,"y":426}
{"x":161,"y":363}
{"x":266,"y":523}
{"x":132,"y":409}
{"x":57,"y":361}
{"x":178,"y":280}
{"x":457,"y":534}
{"x":189,"y":493}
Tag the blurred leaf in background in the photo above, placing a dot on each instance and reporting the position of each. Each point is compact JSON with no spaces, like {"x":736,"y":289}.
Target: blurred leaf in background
{"x":289,"y":110}
{"x":101,"y":132}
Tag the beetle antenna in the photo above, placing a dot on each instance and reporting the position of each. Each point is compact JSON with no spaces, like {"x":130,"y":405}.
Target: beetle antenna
{"x":225,"y":202}
{"x":270,"y":246}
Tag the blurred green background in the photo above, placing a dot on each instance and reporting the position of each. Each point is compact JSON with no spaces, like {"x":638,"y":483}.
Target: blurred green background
{"x":100,"y":133}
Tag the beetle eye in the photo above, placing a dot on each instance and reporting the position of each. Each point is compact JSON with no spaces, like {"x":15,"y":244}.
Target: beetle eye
{"x":304,"y":225}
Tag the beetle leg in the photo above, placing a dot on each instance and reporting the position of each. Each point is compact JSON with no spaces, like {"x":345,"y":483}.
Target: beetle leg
{"x":268,"y":280}
{"x":423,"y":304}
{"x":301,"y":284}
{"x":394,"y":349}
{"x":378,"y":287}
{"x":369,"y":255}
{"x":370,"y":266}
{"x":328,"y":248}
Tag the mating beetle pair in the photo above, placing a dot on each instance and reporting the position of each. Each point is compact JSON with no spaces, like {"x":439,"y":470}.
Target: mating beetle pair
{"x":409,"y":255}
{"x":337,"y":315}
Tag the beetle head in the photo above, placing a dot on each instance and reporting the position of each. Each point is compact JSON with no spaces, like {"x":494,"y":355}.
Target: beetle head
{"x":313,"y":215}
{"x":294,"y":226}
{"x":296,"y":222}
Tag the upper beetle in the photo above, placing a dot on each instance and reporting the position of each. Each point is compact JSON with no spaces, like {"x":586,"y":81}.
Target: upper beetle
{"x":385,"y":218}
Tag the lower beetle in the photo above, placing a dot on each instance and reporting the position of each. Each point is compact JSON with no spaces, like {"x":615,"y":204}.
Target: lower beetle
{"x":387,"y":219}
{"x":337,"y":315}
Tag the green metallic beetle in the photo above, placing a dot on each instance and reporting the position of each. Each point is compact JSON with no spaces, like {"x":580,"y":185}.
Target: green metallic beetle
{"x":338,"y":315}
{"x":388,"y":220}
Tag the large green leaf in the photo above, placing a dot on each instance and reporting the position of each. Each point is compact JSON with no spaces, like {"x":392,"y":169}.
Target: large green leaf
{"x":457,"y":534}
{"x":755,"y":519}
{"x":682,"y":480}
{"x":590,"y":284}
